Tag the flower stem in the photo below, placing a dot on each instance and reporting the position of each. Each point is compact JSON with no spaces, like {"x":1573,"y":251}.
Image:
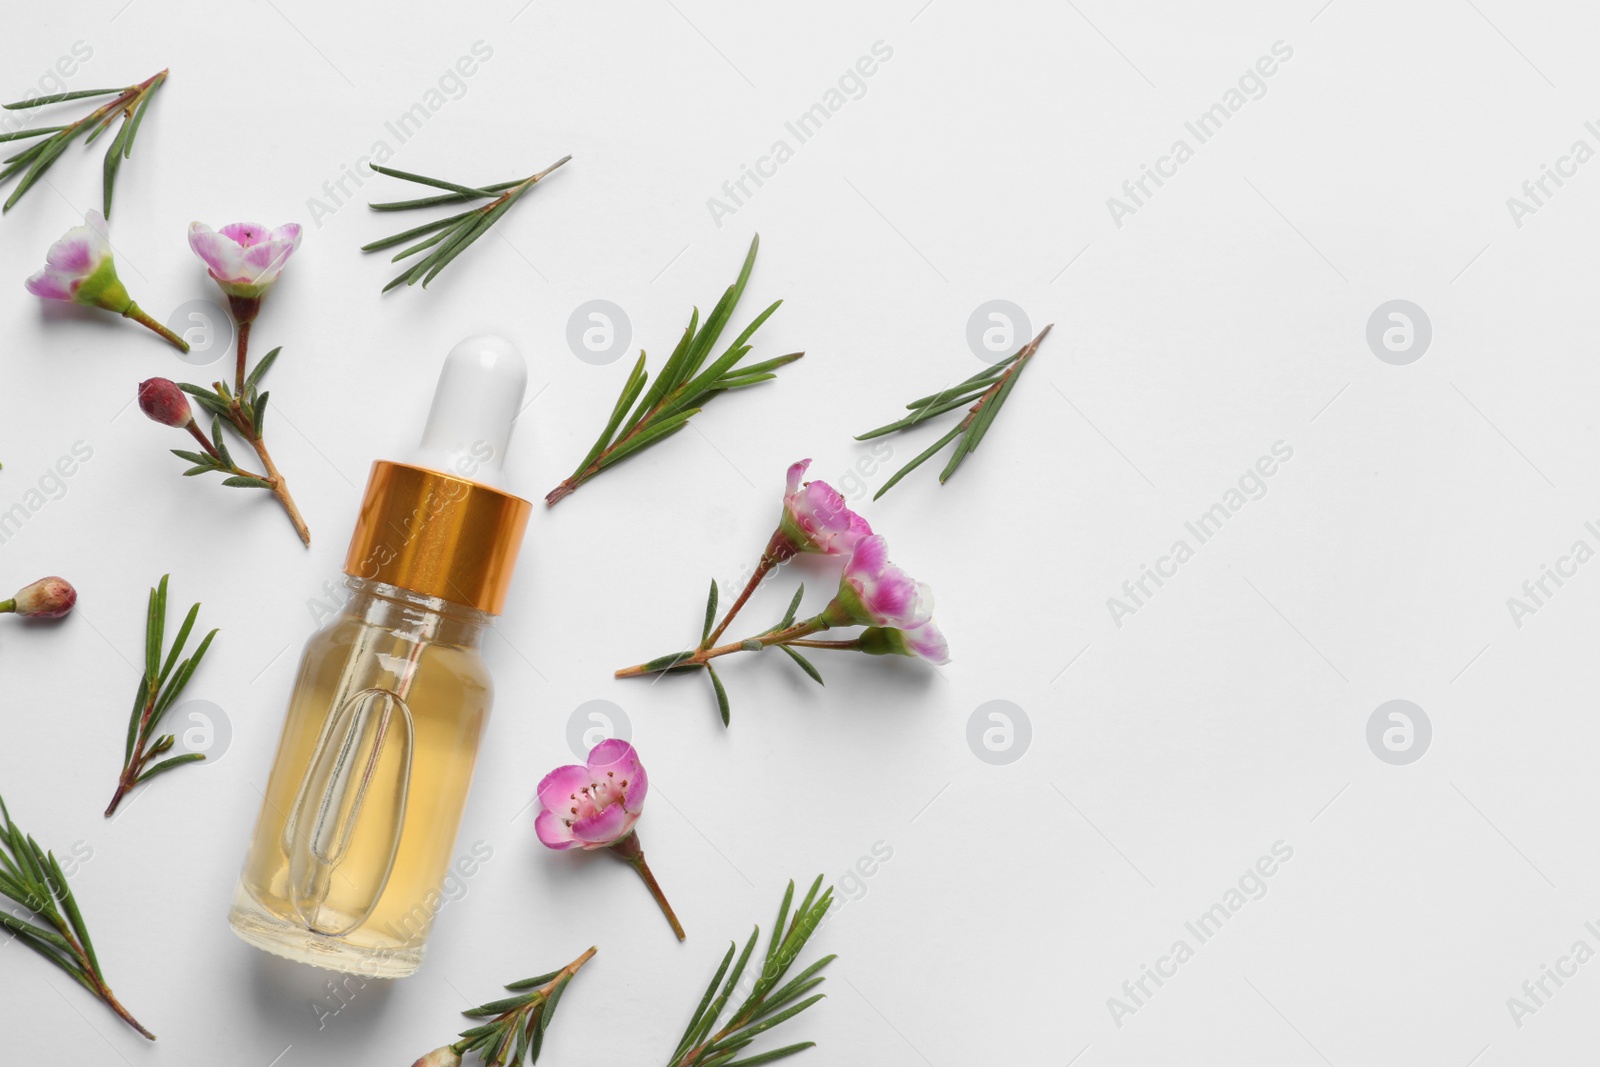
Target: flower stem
{"x":699,"y":657}
{"x":628,"y":848}
{"x":762,"y":569}
{"x":205,"y":442}
{"x":280,"y":489}
{"x":244,"y":343}
{"x":137,"y":314}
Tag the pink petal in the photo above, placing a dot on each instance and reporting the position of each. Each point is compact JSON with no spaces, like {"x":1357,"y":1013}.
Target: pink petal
{"x":51,"y":285}
{"x":557,"y":788}
{"x":610,"y":755}
{"x":929,"y":643}
{"x":637,"y":786}
{"x":244,"y":234}
{"x":553,"y":832}
{"x":797,"y":471}
{"x":269,"y":256}
{"x":869,"y":558}
{"x":604,"y":826}
{"x":72,"y":254}
{"x":220,"y":255}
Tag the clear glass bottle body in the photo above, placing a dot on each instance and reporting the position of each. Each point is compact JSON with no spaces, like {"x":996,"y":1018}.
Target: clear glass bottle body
{"x":359,"y":819}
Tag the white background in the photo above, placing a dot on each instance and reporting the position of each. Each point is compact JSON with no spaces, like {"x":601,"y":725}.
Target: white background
{"x":1167,"y":754}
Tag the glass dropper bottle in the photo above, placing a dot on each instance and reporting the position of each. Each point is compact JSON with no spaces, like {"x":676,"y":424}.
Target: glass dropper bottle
{"x":360,"y":814}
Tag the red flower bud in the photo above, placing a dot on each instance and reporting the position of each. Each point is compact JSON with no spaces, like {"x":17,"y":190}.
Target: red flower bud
{"x":48,"y":598}
{"x":164,"y":402}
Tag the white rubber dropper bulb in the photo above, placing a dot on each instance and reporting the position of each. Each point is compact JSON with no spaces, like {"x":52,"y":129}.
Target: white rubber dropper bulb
{"x":475,"y":405}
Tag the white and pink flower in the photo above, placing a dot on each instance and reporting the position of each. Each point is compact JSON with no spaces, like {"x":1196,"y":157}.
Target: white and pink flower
{"x":875,"y":592}
{"x":244,"y":258}
{"x":80,"y":269}
{"x":816,"y":518}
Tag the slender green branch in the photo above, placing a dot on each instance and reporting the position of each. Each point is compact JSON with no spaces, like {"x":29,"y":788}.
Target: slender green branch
{"x":682,"y":386}
{"x":986,"y":391}
{"x":34,"y":879}
{"x":163,"y":681}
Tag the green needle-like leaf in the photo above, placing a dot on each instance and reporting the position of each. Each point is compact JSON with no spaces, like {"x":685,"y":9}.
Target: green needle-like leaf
{"x":721,"y":693}
{"x":804,"y":663}
{"x":21,"y":135}
{"x":711,"y":611}
{"x":169,"y":764}
{"x":58,"y":98}
{"x":261,"y":368}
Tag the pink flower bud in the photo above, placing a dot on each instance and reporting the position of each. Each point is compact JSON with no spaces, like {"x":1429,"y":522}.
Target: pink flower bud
{"x":164,"y":402}
{"x":48,"y":598}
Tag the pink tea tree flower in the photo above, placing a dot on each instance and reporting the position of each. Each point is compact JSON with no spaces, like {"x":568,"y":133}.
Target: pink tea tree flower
{"x":80,"y":269}
{"x":873,"y":592}
{"x":245,"y":259}
{"x":595,"y":805}
{"x":815,"y":519}
{"x":48,"y":598}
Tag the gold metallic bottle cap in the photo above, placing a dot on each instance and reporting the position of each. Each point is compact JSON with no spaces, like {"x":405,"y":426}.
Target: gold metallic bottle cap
{"x":438,"y":535}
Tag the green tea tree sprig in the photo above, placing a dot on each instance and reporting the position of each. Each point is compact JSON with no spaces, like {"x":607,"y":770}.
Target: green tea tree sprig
{"x":31,"y":163}
{"x":31,"y":877}
{"x":895,"y":611}
{"x":453,"y":234}
{"x":164,"y":679}
{"x":515,"y":1026}
{"x":986,"y":391}
{"x":681,"y":387}
{"x":712,"y":1041}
